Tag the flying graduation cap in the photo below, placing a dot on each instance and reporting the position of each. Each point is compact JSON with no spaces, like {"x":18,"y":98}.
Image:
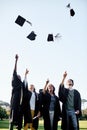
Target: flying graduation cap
{"x":32,"y":36}
{"x":51,"y":37}
{"x":72,"y":12}
{"x":20,"y":21}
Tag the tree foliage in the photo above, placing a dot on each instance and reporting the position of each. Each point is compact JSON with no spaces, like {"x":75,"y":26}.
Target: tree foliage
{"x":3,"y":113}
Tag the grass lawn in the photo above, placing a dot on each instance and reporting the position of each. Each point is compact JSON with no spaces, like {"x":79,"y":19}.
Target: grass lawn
{"x":4,"y":125}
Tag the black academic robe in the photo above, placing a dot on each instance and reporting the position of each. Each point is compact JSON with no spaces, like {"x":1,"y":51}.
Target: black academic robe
{"x":63,"y":93}
{"x":45,"y":104}
{"x":20,"y":99}
{"x":25,"y":106}
{"x":16,"y":99}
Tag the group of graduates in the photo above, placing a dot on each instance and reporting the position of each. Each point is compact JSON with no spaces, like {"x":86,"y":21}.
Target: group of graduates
{"x":27,"y":106}
{"x":20,"y":102}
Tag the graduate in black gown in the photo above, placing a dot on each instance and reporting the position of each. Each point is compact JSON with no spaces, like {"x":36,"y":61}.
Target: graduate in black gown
{"x":19,"y":105}
{"x":16,"y":98}
{"x":71,"y":104}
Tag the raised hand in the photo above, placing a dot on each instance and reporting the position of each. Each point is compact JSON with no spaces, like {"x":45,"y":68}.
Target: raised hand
{"x":47,"y":81}
{"x":27,"y":71}
{"x":45,"y":87}
{"x":65,"y":74}
{"x":16,"y":56}
{"x":16,"y":59}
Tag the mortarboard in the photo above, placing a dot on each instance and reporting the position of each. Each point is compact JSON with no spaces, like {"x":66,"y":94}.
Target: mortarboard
{"x":68,"y":6}
{"x":20,"y":21}
{"x":32,"y":36}
{"x":72,"y":12}
{"x":50,"y":37}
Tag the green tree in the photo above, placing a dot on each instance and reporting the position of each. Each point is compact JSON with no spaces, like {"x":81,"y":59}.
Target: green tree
{"x":3,"y":113}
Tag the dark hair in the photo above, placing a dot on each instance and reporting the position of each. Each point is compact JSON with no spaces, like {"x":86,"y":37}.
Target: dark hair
{"x":72,"y":81}
{"x":40,"y":90}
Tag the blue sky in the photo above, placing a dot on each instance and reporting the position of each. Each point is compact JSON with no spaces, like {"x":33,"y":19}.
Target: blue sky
{"x":43,"y":59}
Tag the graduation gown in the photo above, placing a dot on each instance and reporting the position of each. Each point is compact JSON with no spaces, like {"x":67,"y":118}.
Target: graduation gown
{"x":20,"y":99}
{"x":63,"y":93}
{"x":16,"y":99}
{"x":45,"y":103}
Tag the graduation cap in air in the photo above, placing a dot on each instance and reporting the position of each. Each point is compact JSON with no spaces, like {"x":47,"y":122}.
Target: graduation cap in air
{"x":51,"y":37}
{"x":32,"y":36}
{"x":20,"y":21}
{"x":72,"y":12}
{"x":68,"y":6}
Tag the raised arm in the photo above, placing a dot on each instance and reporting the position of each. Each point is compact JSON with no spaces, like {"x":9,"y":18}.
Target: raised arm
{"x":62,"y":89}
{"x":25,"y":78}
{"x":45,"y":87}
{"x":64,"y":76}
{"x":26,"y":72}
{"x":16,"y":59}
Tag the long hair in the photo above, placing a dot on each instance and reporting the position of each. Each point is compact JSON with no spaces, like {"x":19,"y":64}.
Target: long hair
{"x":53,"y":88}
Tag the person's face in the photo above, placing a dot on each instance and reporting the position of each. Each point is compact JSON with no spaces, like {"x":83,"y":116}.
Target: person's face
{"x":31,"y":88}
{"x":50,"y":88}
{"x":69,"y":83}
